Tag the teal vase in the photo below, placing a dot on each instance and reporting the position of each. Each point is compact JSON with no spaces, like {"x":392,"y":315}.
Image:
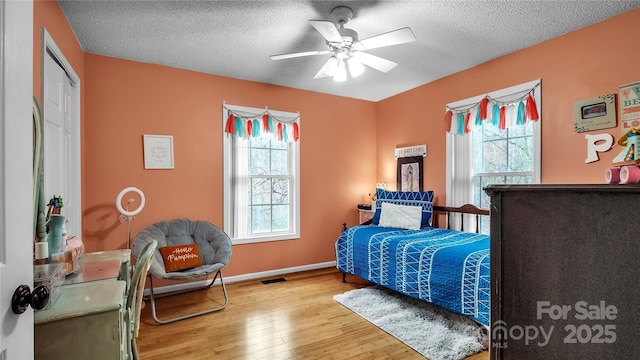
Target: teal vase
{"x":54,"y":238}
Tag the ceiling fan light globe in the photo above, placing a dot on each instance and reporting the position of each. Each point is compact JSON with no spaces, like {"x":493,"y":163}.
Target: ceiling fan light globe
{"x":340,"y":74}
{"x":330,"y":66}
{"x":355,"y":67}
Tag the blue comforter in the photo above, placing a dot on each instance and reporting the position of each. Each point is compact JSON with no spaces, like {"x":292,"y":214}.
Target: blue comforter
{"x":448,"y":268}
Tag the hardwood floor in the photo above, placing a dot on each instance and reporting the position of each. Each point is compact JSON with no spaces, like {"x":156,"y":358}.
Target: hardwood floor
{"x":294,"y":319}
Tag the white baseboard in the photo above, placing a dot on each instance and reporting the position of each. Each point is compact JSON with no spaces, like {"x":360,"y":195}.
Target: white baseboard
{"x":236,"y":278}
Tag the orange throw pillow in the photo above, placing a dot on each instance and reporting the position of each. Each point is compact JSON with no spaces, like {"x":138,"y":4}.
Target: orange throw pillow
{"x":180,"y":257}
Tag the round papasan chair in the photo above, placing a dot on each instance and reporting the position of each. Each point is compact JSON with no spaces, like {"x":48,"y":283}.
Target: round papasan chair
{"x":204,"y":247}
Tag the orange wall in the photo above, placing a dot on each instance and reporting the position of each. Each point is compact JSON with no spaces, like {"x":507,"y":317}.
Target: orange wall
{"x":583,"y":64}
{"x":126,"y":99}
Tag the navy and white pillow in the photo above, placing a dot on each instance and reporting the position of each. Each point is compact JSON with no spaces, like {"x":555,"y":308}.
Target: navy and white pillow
{"x":411,"y":198}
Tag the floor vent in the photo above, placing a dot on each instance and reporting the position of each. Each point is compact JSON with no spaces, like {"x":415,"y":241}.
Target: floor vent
{"x":271,"y":281}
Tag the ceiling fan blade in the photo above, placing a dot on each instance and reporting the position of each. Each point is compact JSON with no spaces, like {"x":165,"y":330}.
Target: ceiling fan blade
{"x":375,"y":62}
{"x":300,"y":54}
{"x":395,"y":37}
{"x":326,"y":68}
{"x":327,"y":29}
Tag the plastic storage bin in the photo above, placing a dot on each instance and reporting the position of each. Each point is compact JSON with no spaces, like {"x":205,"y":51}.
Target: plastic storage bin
{"x":52,"y":276}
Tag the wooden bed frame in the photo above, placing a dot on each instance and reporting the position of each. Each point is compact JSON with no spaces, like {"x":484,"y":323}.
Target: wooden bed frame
{"x":461,"y":210}
{"x":448,"y":212}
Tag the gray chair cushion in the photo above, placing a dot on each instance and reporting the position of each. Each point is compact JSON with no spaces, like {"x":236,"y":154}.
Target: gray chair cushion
{"x":213,"y":243}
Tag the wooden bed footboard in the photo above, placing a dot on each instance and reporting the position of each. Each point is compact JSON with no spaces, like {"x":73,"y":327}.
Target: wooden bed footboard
{"x":461,"y":211}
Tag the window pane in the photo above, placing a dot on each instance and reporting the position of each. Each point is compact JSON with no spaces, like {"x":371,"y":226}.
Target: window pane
{"x":524,"y":130}
{"x":280,"y":191}
{"x":520,"y":156}
{"x":490,"y":132}
{"x":260,"y":191}
{"x":269,"y":205}
{"x":260,"y":219}
{"x":494,"y":156}
{"x":260,"y":142}
{"x":280,"y":219}
{"x":259,"y":161}
{"x":517,"y":179}
{"x":278,"y":144}
{"x":279,"y":162}
{"x":480,"y":197}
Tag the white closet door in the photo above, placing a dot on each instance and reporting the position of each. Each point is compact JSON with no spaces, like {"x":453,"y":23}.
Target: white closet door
{"x":61,"y":114}
{"x":55,"y":135}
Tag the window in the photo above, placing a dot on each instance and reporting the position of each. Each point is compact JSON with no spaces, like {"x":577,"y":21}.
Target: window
{"x":490,"y":155}
{"x":261,"y":181}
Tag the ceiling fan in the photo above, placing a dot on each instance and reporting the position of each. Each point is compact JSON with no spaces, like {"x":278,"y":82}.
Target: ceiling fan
{"x":347,"y":50}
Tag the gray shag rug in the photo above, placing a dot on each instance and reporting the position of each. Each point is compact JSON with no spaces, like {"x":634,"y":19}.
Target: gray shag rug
{"x":435,"y":333}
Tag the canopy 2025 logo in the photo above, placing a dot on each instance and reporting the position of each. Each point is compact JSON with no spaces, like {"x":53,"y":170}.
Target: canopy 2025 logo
{"x":592,"y":325}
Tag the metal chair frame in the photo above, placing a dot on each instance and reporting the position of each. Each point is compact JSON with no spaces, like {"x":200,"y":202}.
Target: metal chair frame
{"x":153,"y":297}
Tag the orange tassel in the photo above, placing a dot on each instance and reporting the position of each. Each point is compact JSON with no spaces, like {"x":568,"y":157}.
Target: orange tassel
{"x":265,"y":123}
{"x":503,"y":118}
{"x":532,"y":109}
{"x":249,"y":127}
{"x":296,"y":132}
{"x":483,"y":108}
{"x":280,"y":131}
{"x":466,"y":122}
{"x":447,"y":121}
{"x":230,"y":127}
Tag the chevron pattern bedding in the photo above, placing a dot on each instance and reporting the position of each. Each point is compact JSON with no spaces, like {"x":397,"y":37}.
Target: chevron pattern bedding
{"x":448,"y":268}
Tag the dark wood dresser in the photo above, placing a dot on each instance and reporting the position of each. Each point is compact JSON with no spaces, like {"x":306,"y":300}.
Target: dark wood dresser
{"x":565,"y":271}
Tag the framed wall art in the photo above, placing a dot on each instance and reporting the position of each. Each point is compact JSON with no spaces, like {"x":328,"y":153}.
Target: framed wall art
{"x":595,"y":113}
{"x":410,"y":173}
{"x":158,"y":151}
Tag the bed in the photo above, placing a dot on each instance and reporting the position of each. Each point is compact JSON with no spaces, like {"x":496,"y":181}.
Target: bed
{"x":446,"y":267}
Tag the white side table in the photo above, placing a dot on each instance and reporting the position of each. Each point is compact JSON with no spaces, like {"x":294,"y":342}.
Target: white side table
{"x":365,"y":215}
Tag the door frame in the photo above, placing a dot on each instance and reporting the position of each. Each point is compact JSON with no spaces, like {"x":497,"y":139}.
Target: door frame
{"x":49,"y":46}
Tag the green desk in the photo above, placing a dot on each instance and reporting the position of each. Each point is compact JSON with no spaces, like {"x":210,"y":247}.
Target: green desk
{"x":86,"y":321}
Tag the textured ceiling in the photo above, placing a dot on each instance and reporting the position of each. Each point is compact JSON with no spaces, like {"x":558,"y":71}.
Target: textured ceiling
{"x":236,"y":38}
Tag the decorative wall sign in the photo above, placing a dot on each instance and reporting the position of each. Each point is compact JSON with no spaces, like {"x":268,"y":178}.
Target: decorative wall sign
{"x":595,"y":113}
{"x":418,"y":150}
{"x":410,"y":173}
{"x":630,"y":106}
{"x":597,"y":143}
{"x":158,"y":151}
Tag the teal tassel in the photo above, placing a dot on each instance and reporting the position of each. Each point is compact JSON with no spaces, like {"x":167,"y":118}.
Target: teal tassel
{"x":520,"y":118}
{"x":271,"y":127}
{"x":284,"y":133}
{"x":256,"y":128}
{"x":239,"y":128}
{"x":478,"y":120}
{"x":460,"y":123}
{"x":496,"y":115}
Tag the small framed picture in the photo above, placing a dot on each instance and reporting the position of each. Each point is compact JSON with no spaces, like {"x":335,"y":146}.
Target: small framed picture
{"x":595,"y":113}
{"x":410,"y":173}
{"x":158,"y":151}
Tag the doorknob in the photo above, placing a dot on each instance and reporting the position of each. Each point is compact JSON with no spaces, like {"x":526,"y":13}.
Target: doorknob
{"x":23,"y":297}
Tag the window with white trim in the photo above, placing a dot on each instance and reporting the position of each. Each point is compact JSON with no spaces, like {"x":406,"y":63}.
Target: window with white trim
{"x":486,"y":154}
{"x":261,"y":176}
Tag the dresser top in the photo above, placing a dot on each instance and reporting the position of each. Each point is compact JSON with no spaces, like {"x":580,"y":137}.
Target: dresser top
{"x":631,"y":188}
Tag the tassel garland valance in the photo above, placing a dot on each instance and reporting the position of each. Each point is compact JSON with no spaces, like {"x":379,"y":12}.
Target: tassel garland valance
{"x":265,"y":123}
{"x":501,"y":114}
